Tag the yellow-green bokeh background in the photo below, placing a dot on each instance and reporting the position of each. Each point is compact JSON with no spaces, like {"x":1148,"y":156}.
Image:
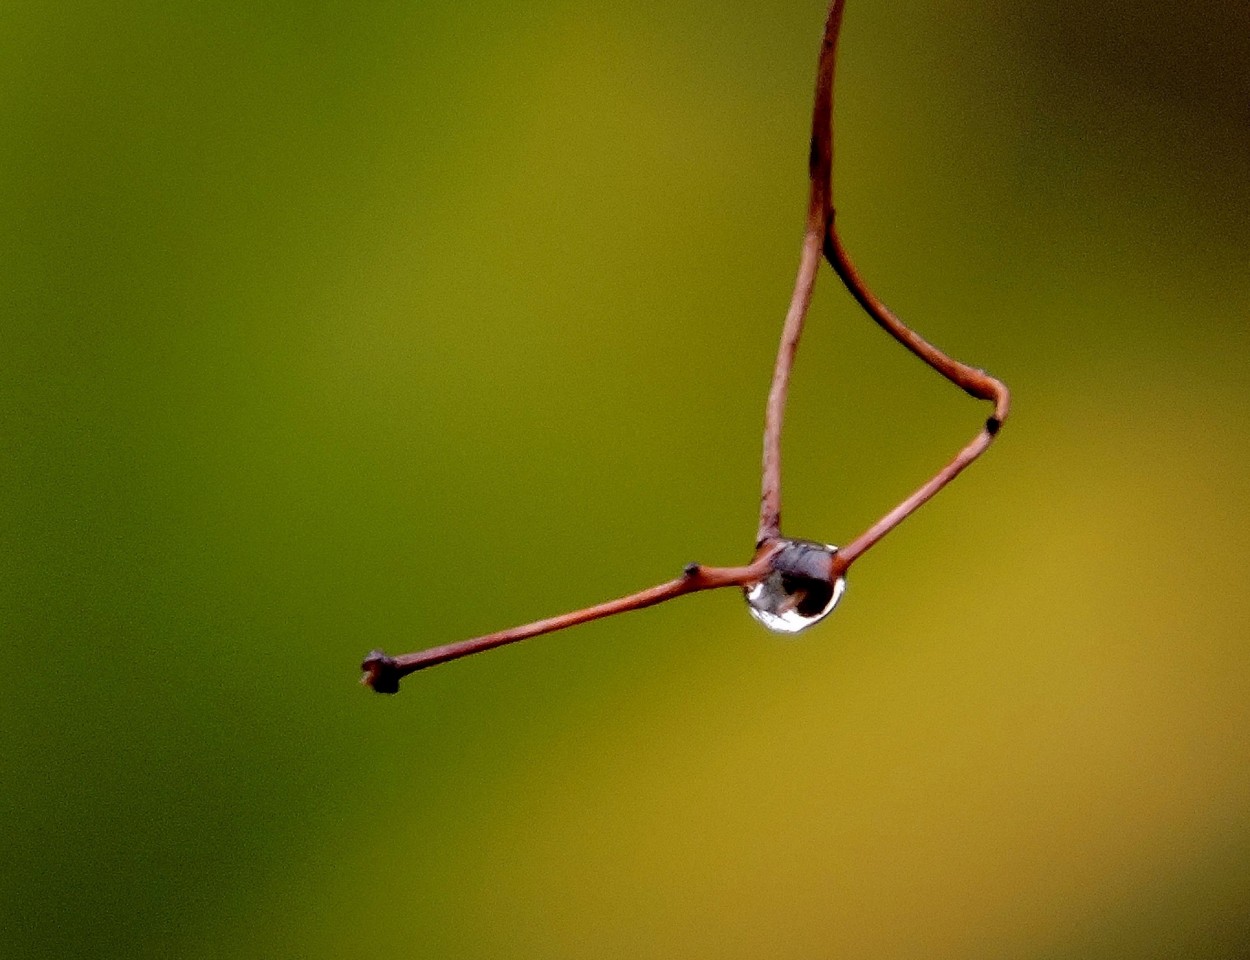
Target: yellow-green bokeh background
{"x":328,"y":326}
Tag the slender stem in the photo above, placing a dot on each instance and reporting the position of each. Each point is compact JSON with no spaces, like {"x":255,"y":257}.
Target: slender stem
{"x":845,"y":556}
{"x":383,"y":673}
{"x":819,"y":217}
{"x":821,"y":221}
{"x":973,"y":381}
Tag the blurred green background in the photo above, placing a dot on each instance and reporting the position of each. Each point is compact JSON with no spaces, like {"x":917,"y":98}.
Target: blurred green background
{"x":329,"y":326}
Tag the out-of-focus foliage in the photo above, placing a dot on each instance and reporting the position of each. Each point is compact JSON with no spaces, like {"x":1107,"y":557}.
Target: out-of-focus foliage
{"x":333,"y":326}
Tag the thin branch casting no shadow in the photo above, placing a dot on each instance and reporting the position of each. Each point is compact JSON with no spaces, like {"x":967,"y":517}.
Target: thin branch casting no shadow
{"x":773,"y":557}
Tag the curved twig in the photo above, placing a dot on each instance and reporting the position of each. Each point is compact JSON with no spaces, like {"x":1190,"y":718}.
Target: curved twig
{"x":973,"y":381}
{"x":383,"y":672}
{"x":822,"y":232}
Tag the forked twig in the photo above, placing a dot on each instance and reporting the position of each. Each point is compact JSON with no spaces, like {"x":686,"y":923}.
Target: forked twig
{"x":774,"y":556}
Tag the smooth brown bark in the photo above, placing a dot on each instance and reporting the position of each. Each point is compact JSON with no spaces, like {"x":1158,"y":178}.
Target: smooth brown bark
{"x":821,"y":239}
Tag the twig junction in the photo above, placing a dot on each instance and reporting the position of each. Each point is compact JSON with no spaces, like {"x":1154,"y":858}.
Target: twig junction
{"x":821,"y":239}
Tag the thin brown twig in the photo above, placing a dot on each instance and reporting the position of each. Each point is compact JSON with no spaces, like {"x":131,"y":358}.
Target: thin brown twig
{"x":383,"y":672}
{"x":819,"y":217}
{"x":971,"y":380}
{"x":975,"y":382}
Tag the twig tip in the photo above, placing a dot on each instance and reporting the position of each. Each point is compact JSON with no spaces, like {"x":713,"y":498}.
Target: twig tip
{"x":381,"y":672}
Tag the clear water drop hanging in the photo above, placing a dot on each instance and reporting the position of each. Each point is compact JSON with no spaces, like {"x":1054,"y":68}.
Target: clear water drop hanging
{"x":800,"y":591}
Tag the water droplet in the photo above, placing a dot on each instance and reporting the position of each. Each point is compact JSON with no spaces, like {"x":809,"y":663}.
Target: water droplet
{"x":799,"y":592}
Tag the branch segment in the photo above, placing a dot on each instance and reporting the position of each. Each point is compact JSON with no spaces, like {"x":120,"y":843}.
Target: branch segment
{"x":822,"y":235}
{"x":819,"y":218}
{"x":383,"y":672}
{"x":972,"y":380}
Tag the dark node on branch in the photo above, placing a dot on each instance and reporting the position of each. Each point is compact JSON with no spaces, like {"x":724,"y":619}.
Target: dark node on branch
{"x":690,"y":570}
{"x":813,"y":155}
{"x":992,"y":425}
{"x":381,"y":673}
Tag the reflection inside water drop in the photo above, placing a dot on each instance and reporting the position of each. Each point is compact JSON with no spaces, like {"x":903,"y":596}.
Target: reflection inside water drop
{"x":799,"y":592}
